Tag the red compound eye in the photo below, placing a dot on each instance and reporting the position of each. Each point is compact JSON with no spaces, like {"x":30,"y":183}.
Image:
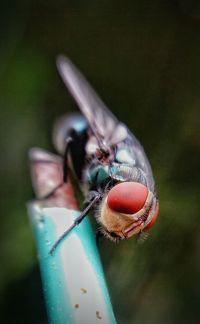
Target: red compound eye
{"x":127,"y":197}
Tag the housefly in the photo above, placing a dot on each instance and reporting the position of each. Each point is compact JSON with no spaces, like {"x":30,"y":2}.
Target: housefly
{"x":107,"y":160}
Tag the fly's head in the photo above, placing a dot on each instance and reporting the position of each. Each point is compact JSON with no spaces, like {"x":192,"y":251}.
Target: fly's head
{"x":129,"y":208}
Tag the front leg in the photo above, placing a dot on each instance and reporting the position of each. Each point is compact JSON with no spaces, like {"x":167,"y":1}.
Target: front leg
{"x":77,"y":221}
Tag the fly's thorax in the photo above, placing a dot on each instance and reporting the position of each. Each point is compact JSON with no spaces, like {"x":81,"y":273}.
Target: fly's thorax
{"x":123,"y":155}
{"x":125,"y":172}
{"x":98,"y":175}
{"x":119,"y":165}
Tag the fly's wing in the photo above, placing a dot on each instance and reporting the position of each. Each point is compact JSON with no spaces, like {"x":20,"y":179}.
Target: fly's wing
{"x":141,"y":160}
{"x":105,"y":126}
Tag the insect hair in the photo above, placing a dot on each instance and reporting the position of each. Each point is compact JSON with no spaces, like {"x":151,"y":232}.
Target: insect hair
{"x":111,"y":236}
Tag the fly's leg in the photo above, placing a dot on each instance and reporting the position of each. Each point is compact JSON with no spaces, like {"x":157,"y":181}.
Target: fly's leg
{"x":77,"y":221}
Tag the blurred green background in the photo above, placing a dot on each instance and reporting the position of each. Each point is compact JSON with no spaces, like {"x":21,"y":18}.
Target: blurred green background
{"x":143,"y":57}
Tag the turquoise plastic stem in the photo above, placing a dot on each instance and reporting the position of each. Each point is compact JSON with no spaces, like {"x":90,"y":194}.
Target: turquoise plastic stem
{"x":73,"y":280}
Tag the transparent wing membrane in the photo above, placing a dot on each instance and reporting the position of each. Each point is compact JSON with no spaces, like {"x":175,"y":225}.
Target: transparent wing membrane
{"x":103,"y":123}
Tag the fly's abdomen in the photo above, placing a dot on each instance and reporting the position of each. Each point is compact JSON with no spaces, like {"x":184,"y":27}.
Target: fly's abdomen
{"x":72,"y":126}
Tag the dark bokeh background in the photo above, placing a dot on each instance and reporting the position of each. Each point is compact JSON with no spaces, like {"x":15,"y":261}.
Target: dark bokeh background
{"x":143,"y":57}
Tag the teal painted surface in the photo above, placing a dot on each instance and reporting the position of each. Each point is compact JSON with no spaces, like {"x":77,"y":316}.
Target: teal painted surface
{"x":58,"y":273}
{"x":51,"y":271}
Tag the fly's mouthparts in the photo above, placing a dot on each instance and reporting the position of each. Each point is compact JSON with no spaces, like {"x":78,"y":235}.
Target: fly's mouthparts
{"x":132,"y":226}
